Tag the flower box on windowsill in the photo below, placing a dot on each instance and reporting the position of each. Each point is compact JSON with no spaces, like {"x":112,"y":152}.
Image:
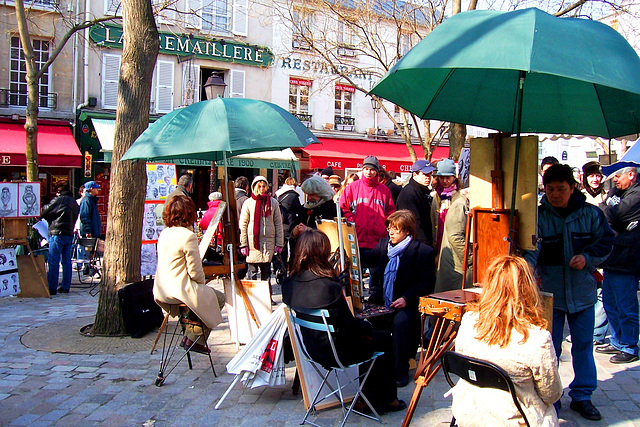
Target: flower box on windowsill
{"x":328,"y":126}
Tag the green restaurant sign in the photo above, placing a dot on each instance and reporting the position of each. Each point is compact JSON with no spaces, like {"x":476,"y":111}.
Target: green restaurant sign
{"x":186,"y":45}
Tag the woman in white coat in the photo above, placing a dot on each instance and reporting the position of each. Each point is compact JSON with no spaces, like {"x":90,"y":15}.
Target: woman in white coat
{"x":261,"y":233}
{"x":179,"y":276}
{"x":507,"y":327}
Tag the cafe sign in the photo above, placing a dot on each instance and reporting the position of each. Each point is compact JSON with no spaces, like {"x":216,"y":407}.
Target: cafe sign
{"x":110,"y":35}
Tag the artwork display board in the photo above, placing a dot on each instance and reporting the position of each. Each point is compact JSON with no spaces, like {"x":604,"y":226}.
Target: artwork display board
{"x":19,"y":199}
{"x":352,"y":255}
{"x":161,"y":180}
{"x":9,"y":279}
{"x":260,"y":298}
{"x":310,"y":381}
{"x":211,"y":230}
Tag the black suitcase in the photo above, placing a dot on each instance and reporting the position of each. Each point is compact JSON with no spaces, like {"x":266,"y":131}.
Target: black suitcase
{"x":140,"y":311}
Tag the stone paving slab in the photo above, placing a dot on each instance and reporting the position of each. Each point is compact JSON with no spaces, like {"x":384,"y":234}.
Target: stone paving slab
{"x":51,"y":375}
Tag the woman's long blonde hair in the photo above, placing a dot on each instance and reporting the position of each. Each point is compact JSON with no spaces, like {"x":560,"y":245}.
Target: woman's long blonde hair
{"x":510,"y":300}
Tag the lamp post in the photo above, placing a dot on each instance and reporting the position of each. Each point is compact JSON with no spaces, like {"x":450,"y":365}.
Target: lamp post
{"x":214,"y":87}
{"x":375,"y":104}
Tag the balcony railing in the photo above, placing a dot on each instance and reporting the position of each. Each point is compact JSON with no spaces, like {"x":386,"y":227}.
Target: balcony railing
{"x":397,"y":130}
{"x":304,"y":118}
{"x":19,"y":99}
{"x":345,"y":123}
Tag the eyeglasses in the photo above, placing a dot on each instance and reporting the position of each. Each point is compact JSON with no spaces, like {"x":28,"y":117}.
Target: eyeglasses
{"x":393,"y":230}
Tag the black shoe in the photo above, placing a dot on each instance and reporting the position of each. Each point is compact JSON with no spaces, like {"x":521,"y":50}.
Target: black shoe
{"x":402,"y":383}
{"x":85,"y":270}
{"x":586,"y":410}
{"x":623,"y":357}
{"x":607,"y":349}
{"x":395,"y":406}
{"x":63,"y":291}
{"x":52,"y":292}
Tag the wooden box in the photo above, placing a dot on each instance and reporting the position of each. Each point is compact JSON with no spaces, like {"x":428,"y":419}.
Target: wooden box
{"x":14,"y":228}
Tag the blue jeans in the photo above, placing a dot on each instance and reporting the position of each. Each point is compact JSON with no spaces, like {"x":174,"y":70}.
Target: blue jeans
{"x":59,"y":247}
{"x":584,"y":366}
{"x":620,"y":299}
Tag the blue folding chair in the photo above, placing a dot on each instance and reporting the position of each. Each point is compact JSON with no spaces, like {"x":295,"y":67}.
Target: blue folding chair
{"x":318,"y":320}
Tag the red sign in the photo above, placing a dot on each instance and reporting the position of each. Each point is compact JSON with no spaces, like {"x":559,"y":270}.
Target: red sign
{"x":346,"y":88}
{"x":300,"y":82}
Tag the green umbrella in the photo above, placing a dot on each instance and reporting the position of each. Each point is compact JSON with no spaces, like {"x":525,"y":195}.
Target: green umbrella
{"x":577,"y":76}
{"x":214,"y":129}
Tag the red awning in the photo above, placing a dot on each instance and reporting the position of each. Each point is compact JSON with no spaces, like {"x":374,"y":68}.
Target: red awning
{"x":349,"y":153}
{"x":56,"y":146}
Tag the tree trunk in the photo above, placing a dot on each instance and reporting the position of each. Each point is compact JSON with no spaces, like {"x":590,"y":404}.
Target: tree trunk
{"x":128,"y":179}
{"x":457,"y":136}
{"x":31,"y":122}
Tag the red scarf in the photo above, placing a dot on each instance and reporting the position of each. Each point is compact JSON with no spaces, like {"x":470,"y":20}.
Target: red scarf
{"x":263,"y":209}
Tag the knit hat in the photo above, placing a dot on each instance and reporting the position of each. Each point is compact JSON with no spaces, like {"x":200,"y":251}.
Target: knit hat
{"x":328,"y":171}
{"x":257,"y":179}
{"x":371,"y":162}
{"x":446,"y":167}
{"x":216,"y":195}
{"x":590,"y":168}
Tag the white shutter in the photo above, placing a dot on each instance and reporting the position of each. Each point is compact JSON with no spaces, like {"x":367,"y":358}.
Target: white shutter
{"x":110,"y":75}
{"x":112,"y":7}
{"x":190,"y":83}
{"x":164,"y":86}
{"x":236,"y":90}
{"x":240,"y":17}
{"x":193,"y":14}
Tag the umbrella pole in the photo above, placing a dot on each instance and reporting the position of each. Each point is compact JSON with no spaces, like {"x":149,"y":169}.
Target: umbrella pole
{"x":341,"y":243}
{"x":226,"y":393}
{"x":231,"y":254}
{"x":514,"y":189}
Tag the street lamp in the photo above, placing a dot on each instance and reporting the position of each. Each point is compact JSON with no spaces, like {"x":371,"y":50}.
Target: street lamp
{"x":214,"y":86}
{"x":375,"y":104}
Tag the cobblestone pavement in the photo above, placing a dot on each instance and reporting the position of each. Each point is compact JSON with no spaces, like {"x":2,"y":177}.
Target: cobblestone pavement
{"x":51,"y":375}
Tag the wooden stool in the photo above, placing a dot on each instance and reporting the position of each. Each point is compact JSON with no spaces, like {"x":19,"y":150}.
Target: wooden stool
{"x":173,"y":339}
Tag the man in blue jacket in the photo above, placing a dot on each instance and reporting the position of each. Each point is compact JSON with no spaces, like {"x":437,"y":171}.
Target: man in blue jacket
{"x":573,"y":238}
{"x":622,"y":268}
{"x":90,"y":224}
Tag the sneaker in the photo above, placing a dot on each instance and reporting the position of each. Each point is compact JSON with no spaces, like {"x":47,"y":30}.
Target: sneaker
{"x":586,"y":410}
{"x":623,"y":357}
{"x":607,"y":349}
{"x":63,"y":291}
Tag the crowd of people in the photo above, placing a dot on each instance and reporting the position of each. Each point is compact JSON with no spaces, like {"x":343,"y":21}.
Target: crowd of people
{"x":412,"y":241}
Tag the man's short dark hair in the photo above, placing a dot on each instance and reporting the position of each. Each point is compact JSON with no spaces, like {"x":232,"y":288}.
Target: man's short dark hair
{"x":242,"y":182}
{"x":185,"y":180}
{"x":559,"y":173}
{"x":549,"y":160}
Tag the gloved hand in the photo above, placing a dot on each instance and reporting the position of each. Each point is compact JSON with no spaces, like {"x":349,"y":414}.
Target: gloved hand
{"x":245,"y":251}
{"x":277,"y":250}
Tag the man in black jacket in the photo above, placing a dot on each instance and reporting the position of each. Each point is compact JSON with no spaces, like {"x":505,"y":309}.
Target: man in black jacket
{"x":621,"y":269}
{"x":61,"y":214}
{"x":416,"y":197}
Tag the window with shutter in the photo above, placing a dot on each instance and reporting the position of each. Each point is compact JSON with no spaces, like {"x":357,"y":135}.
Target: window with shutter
{"x":236,"y":89}
{"x":193,"y":14}
{"x":112,"y":7}
{"x":240,"y":17}
{"x":110,"y":75}
{"x":216,"y":16}
{"x":190,"y":83}
{"x":164,"y":87}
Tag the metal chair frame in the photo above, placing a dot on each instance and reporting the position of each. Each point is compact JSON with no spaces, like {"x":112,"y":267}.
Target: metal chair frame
{"x":324,"y":326}
{"x":90,"y":245}
{"x":479,"y":373}
{"x":173,"y":338}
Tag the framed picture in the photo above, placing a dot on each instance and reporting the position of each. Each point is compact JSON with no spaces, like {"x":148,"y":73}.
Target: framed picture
{"x":29,"y":199}
{"x":8,"y":199}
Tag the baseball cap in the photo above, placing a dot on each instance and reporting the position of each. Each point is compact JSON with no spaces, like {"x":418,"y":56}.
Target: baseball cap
{"x":91,"y":184}
{"x":422,"y":166}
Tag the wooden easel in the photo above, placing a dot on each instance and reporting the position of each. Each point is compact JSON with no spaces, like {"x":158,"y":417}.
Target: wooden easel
{"x":14,"y":233}
{"x":230,"y":236}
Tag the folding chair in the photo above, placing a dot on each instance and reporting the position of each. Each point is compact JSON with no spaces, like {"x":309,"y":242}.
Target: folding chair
{"x":172,"y":340}
{"x":479,"y":373}
{"x":317,"y":320}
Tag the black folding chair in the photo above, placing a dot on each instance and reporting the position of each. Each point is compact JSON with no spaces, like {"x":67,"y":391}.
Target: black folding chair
{"x":479,"y":373}
{"x":318,"y":320}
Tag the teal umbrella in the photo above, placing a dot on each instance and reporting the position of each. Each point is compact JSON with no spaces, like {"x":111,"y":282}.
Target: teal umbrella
{"x":219,"y":128}
{"x":521,"y":71}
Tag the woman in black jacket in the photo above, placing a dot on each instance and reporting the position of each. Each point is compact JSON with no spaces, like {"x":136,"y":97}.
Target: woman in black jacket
{"x":409,"y":272}
{"x":313,"y":285}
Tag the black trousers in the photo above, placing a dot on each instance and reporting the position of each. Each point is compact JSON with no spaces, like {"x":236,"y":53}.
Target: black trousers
{"x":381,"y":388}
{"x":404,"y":327}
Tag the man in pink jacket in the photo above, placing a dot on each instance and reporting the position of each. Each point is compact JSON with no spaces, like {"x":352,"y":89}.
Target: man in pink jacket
{"x":368,"y":203}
